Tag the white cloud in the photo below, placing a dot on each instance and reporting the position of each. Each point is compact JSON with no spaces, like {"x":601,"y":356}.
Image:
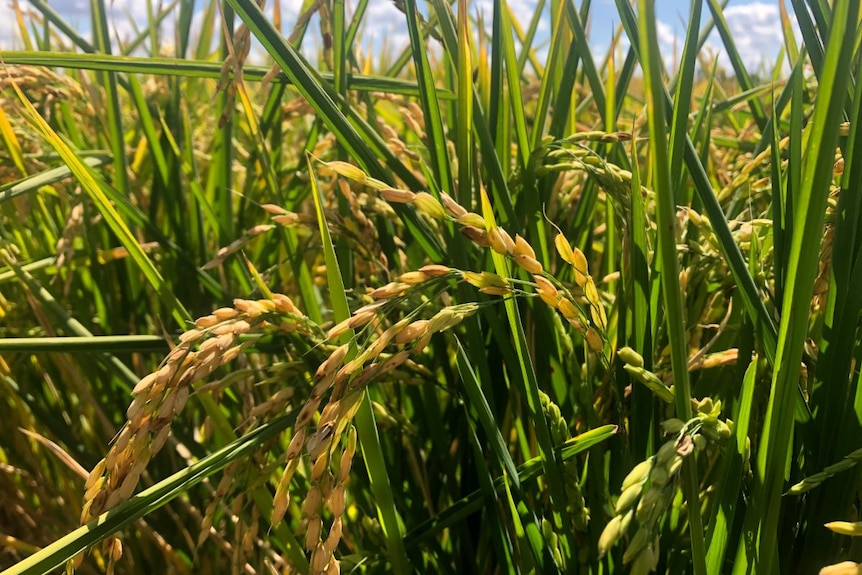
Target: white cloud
{"x":8,"y":34}
{"x":756,"y":31}
{"x":385,"y":24}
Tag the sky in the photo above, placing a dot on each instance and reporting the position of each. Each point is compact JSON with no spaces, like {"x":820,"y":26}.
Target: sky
{"x":754,"y":24}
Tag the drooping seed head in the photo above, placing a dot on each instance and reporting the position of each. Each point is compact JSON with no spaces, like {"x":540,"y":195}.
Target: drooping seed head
{"x":455,"y":209}
{"x":396,"y":196}
{"x":523,"y":248}
{"x":428,"y":205}
{"x":434,"y":270}
{"x":579,"y":263}
{"x":472,"y":220}
{"x":531,"y":265}
{"x":564,"y":248}
{"x":348,"y":171}
{"x":476,"y":235}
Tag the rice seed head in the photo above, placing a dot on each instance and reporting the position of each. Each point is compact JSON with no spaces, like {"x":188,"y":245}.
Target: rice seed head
{"x":320,"y":441}
{"x":344,"y":466}
{"x":283,"y":304}
{"x":320,"y":559}
{"x":334,"y":537}
{"x":336,"y":500}
{"x":484,"y":279}
{"x":435,"y":270}
{"x":610,"y":535}
{"x":594,"y":340}
{"x":568,"y":309}
{"x":638,"y":474}
{"x":477,"y":235}
{"x":648,"y":504}
{"x":579,"y":263}
{"x":296,"y":442}
{"x":455,"y":209}
{"x":312,"y":533}
{"x":412,"y":332}
{"x":338,"y":329}
{"x":471,"y":219}
{"x":115,"y":549}
{"x":523,"y":248}
{"x":628,"y":497}
{"x":631,"y":357}
{"x":529,"y":264}
{"x":280,"y":501}
{"x":414,"y":277}
{"x":547,"y":291}
{"x":564,"y":248}
{"x":348,"y":171}
{"x":365,"y":376}
{"x":396,"y":196}
{"x":643,"y":564}
{"x":500,"y":240}
{"x":638,"y":543}
{"x":332,"y":362}
{"x":853,"y":529}
{"x":428,"y":205}
{"x":392,"y":289}
{"x":306,"y":413}
{"x":361,"y":319}
{"x":443,"y":320}
{"x":273,"y":209}
{"x":144,"y":383}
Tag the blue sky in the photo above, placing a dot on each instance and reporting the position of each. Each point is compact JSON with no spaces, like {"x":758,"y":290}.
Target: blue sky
{"x":754,"y":23}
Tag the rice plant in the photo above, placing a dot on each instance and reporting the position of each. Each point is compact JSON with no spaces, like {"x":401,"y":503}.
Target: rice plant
{"x":283,"y":300}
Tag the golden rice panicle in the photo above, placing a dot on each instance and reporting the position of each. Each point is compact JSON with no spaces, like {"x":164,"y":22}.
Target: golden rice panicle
{"x":218,"y":498}
{"x":579,"y":263}
{"x":427,"y":204}
{"x":487,"y":282}
{"x":160,"y":395}
{"x":501,"y":242}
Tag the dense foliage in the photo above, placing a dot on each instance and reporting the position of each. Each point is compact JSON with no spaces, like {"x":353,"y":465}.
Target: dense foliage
{"x":479,"y":306}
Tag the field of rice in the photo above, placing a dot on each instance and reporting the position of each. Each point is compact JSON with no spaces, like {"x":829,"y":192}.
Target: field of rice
{"x":278,"y":300}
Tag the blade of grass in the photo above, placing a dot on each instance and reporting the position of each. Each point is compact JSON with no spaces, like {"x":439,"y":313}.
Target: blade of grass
{"x":464,"y":109}
{"x":640,"y":334}
{"x":835,"y":380}
{"x":527,"y":471}
{"x":149,"y":128}
{"x":501,"y":541}
{"x":92,"y":184}
{"x":730,"y":484}
{"x":667,"y":254}
{"x":476,"y":400}
{"x":108,"y":82}
{"x":199,"y":69}
{"x":488,"y":146}
{"x":514,"y":82}
{"x":428,"y":98}
{"x":810,"y":37}
{"x":34,"y":182}
{"x":528,"y":532}
{"x":88,"y":343}
{"x":13,"y":146}
{"x":803,"y":256}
